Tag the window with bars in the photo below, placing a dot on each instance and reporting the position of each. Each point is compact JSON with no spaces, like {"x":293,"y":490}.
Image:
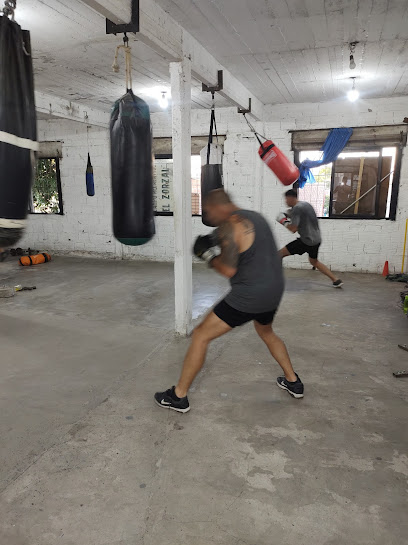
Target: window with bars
{"x":46,"y":195}
{"x":363,"y":182}
{"x":358,"y":184}
{"x":163,"y":185}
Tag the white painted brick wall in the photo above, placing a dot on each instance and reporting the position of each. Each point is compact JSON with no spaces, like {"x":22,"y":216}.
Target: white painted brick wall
{"x":85,"y":227}
{"x":348,"y":245}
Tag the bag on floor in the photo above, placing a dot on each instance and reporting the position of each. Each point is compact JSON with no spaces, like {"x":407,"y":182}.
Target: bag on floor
{"x":29,"y":260}
{"x":398,"y":277}
{"x":132,"y":171}
{"x":18,"y":132}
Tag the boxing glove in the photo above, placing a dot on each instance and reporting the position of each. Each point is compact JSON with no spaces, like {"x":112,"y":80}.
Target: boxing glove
{"x":283,"y":219}
{"x":204,"y":248}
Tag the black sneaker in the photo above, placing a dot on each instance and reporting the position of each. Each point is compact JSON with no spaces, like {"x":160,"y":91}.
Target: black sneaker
{"x":337,"y":284}
{"x":169,"y":400}
{"x":294,"y":388}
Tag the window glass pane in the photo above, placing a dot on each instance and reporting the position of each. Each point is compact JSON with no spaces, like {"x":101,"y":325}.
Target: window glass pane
{"x":45,"y":188}
{"x":356,"y":175}
{"x":363,"y":184}
{"x":317,"y":194}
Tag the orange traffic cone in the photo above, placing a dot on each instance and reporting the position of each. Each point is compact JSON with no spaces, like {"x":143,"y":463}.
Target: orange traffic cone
{"x":386,"y":271}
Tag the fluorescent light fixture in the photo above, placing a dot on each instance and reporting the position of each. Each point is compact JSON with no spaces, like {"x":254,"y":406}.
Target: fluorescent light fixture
{"x":353,"y":94}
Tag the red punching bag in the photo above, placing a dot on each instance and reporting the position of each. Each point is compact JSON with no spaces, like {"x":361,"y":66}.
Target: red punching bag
{"x":280,"y":165}
{"x":271,"y":155}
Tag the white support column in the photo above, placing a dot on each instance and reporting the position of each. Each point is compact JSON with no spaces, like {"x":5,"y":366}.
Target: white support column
{"x":180,"y":76}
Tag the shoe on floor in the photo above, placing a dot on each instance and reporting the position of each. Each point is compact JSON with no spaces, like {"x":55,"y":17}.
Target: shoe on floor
{"x":337,"y":284}
{"x":169,"y":400}
{"x":294,"y":388}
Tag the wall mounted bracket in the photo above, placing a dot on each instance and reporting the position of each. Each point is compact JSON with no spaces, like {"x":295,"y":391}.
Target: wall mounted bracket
{"x":245,"y":110}
{"x":215,"y":88}
{"x":133,"y":26}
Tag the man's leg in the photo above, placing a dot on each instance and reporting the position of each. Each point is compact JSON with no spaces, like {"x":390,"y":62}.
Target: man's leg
{"x":290,"y":382}
{"x":277,"y":348}
{"x":323,"y":269}
{"x":211,"y":328}
{"x":284,"y":252}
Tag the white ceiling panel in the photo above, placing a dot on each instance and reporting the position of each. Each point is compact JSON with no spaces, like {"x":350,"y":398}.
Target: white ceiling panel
{"x":73,"y":57}
{"x":302,"y":45}
{"x":280,"y":50}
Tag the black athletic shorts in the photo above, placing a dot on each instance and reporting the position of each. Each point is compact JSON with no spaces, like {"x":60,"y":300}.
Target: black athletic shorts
{"x":234,"y":317}
{"x":298,"y":247}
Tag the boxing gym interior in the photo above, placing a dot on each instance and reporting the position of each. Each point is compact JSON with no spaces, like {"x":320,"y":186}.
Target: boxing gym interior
{"x":118,"y":122}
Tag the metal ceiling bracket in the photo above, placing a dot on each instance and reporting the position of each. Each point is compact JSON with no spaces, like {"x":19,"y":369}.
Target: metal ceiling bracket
{"x":133,"y":26}
{"x":215,"y":88}
{"x":244,"y":110}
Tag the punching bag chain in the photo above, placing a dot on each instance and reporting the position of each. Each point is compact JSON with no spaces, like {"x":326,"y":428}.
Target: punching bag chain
{"x":256,"y":133}
{"x":9,"y":7}
{"x":213,"y":115}
{"x":128,"y":61}
{"x":213,"y":126}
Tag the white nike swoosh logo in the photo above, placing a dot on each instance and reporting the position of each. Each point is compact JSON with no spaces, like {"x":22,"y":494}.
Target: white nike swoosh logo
{"x":162,"y":402}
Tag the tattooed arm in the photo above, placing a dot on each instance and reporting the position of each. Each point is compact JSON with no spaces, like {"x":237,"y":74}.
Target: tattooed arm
{"x":227,"y":262}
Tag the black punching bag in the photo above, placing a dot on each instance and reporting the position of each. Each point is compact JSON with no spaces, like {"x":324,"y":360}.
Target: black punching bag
{"x":18,"y":132}
{"x":132,"y":170}
{"x":211,"y":171}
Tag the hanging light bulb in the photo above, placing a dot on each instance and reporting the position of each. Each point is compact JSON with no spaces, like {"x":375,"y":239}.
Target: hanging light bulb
{"x":163,"y":102}
{"x":353,"y":94}
{"x":352,"y":47}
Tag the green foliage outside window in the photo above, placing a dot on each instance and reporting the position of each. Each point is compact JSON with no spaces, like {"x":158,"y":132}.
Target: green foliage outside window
{"x":45,"y":187}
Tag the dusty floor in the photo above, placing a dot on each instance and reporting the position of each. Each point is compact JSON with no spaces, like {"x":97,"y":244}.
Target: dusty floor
{"x":88,"y":459}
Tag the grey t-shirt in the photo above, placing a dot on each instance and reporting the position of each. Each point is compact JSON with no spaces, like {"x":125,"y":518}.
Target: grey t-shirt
{"x":304,"y":218}
{"x":258,"y":284}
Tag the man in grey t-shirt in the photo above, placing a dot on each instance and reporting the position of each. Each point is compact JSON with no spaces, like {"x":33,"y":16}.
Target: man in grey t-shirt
{"x":249,"y":258}
{"x":302,"y":219}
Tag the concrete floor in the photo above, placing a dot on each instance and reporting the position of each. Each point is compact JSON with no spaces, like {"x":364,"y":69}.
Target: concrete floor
{"x":88,"y":459}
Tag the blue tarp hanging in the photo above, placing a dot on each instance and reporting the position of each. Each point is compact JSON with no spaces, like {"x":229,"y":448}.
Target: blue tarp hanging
{"x":332,"y":147}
